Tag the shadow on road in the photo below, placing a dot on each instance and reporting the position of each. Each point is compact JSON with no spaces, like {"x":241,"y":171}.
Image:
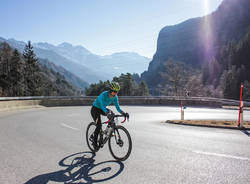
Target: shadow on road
{"x":246,"y":132}
{"x":81,"y":169}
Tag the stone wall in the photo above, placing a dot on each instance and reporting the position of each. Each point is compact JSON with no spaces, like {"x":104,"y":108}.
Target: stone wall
{"x":30,"y":102}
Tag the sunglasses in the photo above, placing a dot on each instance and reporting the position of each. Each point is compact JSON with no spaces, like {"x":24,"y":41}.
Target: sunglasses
{"x":114,"y":91}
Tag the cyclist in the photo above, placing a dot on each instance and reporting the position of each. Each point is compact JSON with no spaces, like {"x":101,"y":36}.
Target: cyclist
{"x":99,"y":108}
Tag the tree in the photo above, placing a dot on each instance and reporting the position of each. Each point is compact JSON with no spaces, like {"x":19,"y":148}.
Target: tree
{"x":142,"y":89}
{"x":246,"y":91}
{"x":205,"y":73}
{"x":17,"y":75}
{"x":176,"y":75}
{"x":127,"y":83}
{"x":211,"y":72}
{"x":195,"y":86}
{"x":32,"y":71}
{"x":5,"y":55}
{"x":137,"y":78}
{"x":231,"y":81}
{"x":96,"y":89}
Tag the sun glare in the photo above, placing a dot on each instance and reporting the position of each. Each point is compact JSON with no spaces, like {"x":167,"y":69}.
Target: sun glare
{"x":207,"y":34}
{"x":206,"y":7}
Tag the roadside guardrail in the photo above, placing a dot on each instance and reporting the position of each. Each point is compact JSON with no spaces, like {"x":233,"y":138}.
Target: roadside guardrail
{"x":48,"y":101}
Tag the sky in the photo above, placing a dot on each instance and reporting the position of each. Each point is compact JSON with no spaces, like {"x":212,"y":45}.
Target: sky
{"x":101,"y":26}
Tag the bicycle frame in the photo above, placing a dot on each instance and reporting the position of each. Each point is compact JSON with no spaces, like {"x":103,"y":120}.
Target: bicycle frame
{"x":115,"y":135}
{"x":112,"y":125}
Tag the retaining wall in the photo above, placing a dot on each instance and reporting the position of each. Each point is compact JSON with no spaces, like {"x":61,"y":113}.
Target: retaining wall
{"x":8,"y":103}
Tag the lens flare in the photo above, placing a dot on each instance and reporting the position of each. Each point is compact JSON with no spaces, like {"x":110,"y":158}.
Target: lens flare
{"x":206,"y":33}
{"x":206,"y":7}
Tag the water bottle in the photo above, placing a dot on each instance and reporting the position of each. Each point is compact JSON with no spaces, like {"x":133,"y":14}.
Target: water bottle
{"x":110,"y":129}
{"x":106,"y":130}
{"x":116,"y":120}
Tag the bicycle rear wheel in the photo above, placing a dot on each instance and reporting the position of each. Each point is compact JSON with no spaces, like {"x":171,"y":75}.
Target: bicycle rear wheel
{"x":120,"y":143}
{"x":90,"y":135}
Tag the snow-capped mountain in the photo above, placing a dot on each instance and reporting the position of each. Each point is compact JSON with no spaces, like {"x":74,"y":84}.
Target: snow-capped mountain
{"x":86,"y":65}
{"x":114,"y":64}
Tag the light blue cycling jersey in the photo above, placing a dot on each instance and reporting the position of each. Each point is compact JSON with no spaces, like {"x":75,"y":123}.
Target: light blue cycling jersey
{"x":103,"y":100}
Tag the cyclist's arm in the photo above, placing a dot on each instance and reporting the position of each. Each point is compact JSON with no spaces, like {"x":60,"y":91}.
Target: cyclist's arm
{"x":117,"y":105}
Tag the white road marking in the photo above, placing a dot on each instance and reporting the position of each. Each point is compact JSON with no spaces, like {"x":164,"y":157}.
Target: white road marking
{"x":69,"y":127}
{"x":222,"y":155}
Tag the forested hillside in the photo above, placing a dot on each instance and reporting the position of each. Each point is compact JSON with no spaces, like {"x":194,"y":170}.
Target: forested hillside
{"x":22,"y":75}
{"x":230,"y":68}
{"x":216,"y":46}
{"x":129,"y":87}
{"x":70,"y":77}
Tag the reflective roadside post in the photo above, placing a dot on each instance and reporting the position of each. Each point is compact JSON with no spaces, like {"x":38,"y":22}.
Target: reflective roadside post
{"x":182,"y":112}
{"x":240,"y":119}
{"x":241,"y":115}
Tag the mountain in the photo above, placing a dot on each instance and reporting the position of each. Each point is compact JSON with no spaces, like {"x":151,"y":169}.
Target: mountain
{"x":85,"y":73}
{"x":113,"y":65}
{"x":117,"y":63}
{"x":70,"y":77}
{"x":74,"y":53}
{"x":198,"y":40}
{"x":81,"y":71}
{"x":86,"y":65}
{"x":27,"y":77}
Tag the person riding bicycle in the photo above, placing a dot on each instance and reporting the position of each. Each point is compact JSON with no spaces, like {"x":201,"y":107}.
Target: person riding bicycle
{"x":99,"y":108}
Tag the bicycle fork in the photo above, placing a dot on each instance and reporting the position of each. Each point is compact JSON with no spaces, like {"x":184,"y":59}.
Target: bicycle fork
{"x":119,"y":141}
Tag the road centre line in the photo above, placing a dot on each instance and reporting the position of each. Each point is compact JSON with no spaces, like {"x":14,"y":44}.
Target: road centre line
{"x":67,"y":126}
{"x":222,"y":155}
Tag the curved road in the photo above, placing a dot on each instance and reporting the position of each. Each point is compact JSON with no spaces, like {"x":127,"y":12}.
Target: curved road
{"x":46,"y":145}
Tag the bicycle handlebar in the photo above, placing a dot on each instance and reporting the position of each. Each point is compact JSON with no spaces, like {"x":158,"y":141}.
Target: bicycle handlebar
{"x":119,"y":116}
{"x":115,"y":116}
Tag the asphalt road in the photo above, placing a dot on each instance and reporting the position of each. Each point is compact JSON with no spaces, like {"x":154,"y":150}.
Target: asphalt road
{"x":47,"y":145}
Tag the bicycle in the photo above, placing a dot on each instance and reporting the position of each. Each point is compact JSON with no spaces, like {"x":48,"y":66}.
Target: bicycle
{"x":116,"y":135}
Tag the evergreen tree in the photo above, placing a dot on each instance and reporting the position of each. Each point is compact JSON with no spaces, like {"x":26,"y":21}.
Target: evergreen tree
{"x":142,"y":89}
{"x":32,"y":72}
{"x":246,"y":91}
{"x":22,"y":78}
{"x":96,"y":89}
{"x":17,"y":75}
{"x":127,"y":83}
{"x":5,"y":55}
{"x":205,"y":73}
{"x":211,"y":72}
{"x":231,"y":81}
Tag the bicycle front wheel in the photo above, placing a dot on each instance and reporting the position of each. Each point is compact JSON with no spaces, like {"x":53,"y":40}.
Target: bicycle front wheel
{"x":120,"y":143}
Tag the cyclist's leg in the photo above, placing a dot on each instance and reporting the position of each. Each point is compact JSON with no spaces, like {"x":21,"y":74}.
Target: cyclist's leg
{"x":96,"y":115}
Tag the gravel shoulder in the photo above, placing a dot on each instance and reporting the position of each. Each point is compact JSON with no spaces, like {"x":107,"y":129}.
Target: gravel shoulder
{"x":211,"y":123}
